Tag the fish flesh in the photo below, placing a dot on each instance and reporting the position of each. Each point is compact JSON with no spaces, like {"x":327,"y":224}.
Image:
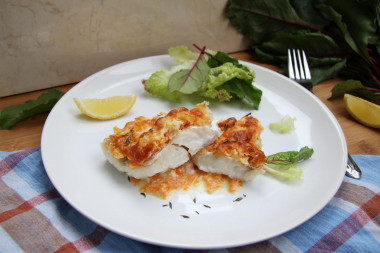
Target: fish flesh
{"x":147,"y":146}
{"x":236,"y":152}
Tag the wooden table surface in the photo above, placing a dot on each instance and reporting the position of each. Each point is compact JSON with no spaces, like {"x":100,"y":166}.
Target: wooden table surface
{"x":360,"y":139}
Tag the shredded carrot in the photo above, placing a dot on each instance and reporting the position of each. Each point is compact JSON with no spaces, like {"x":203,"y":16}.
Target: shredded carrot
{"x":164,"y":184}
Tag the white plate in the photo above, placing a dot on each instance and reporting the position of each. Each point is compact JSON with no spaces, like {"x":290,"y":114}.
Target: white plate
{"x":76,"y":166}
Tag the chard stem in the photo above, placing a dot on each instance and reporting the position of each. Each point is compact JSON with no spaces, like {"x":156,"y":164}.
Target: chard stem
{"x":201,"y":50}
{"x":306,"y":26}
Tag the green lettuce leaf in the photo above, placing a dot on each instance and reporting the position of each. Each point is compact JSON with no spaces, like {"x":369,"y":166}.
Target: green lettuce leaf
{"x":219,"y":58}
{"x":284,"y":172}
{"x":284,"y":126}
{"x":13,"y":114}
{"x":244,"y":89}
{"x":158,"y":84}
{"x":181,"y":54}
{"x":214,"y":75}
{"x":219,"y":76}
{"x":237,"y":86}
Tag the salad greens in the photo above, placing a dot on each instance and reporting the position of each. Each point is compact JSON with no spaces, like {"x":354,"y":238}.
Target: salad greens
{"x":188,"y":81}
{"x":290,"y":157}
{"x":284,"y":164}
{"x":284,"y":172}
{"x":12,"y":114}
{"x":210,"y":74}
{"x":340,"y":38}
{"x":284,"y":126}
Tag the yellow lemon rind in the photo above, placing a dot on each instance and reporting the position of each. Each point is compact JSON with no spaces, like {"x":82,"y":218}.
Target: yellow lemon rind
{"x":363,"y":111}
{"x":88,"y":107}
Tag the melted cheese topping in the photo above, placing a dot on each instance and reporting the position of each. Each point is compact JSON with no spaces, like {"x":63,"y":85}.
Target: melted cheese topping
{"x":142,"y":138}
{"x":240,"y":141}
{"x":165,"y":184}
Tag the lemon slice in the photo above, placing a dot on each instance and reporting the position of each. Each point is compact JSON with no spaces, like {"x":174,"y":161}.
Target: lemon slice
{"x":106,"y":108}
{"x":362,"y":110}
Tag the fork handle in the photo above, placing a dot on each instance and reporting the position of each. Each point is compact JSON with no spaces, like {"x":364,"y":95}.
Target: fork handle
{"x":352,"y":169}
{"x":308,"y":85}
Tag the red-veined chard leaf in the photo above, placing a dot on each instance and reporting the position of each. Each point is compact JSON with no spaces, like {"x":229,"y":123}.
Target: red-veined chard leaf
{"x":12,"y":114}
{"x":290,"y":157}
{"x":190,"y":80}
{"x":356,"y":88}
{"x":284,"y":164}
{"x":346,"y":36}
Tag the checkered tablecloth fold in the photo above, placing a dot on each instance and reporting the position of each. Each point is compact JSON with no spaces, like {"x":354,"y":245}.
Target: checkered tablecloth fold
{"x":35,"y":218}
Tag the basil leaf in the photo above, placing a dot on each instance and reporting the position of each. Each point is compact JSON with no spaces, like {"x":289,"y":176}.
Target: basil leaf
{"x":13,"y":114}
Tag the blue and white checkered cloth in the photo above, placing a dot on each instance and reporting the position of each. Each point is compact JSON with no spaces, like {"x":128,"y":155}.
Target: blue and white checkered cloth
{"x":35,"y":218}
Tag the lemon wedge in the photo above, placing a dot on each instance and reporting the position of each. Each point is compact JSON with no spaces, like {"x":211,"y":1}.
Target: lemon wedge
{"x":106,"y":108}
{"x":362,"y":110}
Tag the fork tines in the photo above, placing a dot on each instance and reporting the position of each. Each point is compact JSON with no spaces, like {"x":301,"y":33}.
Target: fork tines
{"x":298,"y":67}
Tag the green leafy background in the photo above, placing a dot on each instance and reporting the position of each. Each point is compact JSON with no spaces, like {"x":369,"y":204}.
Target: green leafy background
{"x":340,"y":37}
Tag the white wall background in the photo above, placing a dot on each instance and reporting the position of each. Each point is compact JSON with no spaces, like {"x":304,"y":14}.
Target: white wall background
{"x":49,"y":43}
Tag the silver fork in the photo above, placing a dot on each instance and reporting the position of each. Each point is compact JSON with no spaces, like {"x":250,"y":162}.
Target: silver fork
{"x":298,"y":68}
{"x":299,"y":71}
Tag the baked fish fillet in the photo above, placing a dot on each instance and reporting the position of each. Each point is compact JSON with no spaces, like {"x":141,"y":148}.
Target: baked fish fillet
{"x":147,"y":146}
{"x":236,"y":152}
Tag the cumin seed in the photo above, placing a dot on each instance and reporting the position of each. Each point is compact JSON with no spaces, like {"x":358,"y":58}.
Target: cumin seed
{"x":185,"y":216}
{"x":228,"y":141}
{"x":207,"y":206}
{"x":128,"y":140}
{"x":143,"y":194}
{"x":170,"y":205}
{"x":238,"y":199}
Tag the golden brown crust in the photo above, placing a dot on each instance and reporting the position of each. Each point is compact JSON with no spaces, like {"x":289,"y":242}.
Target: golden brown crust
{"x":142,"y":138}
{"x":239,"y":141}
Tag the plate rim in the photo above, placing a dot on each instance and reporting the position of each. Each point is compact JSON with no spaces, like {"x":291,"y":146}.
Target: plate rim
{"x":323,"y":106}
